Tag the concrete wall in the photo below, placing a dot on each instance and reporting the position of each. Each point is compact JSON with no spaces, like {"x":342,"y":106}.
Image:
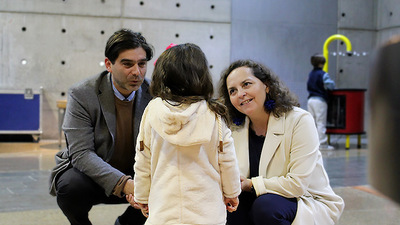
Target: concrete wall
{"x":368,"y":24}
{"x":283,"y":35}
{"x":63,"y":41}
{"x":388,"y":20}
{"x":357,"y":21}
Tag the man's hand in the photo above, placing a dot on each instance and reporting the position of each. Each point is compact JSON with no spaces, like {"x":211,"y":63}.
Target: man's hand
{"x":129,"y":187}
{"x":131,"y":201}
{"x":143,"y":207}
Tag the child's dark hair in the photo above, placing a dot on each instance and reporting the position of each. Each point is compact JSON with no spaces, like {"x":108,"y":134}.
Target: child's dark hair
{"x":317,"y":60}
{"x":181,"y":75}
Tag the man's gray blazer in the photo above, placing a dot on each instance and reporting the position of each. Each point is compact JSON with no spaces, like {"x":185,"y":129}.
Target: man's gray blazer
{"x":90,"y":126}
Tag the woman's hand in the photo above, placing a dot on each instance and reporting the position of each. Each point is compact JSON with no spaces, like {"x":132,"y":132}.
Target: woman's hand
{"x":246,"y":184}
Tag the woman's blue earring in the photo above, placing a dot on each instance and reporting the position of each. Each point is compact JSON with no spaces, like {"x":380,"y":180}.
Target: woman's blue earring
{"x":269,"y":104}
{"x":238,"y":120}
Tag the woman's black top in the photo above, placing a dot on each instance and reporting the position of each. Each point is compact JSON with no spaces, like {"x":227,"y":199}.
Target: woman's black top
{"x":255,"y":147}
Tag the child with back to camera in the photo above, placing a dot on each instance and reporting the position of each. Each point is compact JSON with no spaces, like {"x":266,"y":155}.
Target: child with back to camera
{"x":186,"y":171}
{"x":318,"y":85}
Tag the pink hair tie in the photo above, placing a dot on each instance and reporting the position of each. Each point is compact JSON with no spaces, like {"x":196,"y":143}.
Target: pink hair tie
{"x":168,"y":47}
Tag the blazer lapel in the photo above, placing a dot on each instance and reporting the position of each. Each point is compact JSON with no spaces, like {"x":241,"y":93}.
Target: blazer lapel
{"x":272,"y":141}
{"x":241,"y":142}
{"x":142,"y":97}
{"x":106,"y":98}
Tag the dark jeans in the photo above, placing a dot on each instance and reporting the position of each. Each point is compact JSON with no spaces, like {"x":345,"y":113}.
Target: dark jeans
{"x":77,"y":194}
{"x":263,"y":210}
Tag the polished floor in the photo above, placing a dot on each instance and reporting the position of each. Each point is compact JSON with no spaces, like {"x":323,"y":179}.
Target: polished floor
{"x":25,"y":168}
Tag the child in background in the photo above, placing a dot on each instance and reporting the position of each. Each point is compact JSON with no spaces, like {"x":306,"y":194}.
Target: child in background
{"x":186,"y":170}
{"x":318,"y":85}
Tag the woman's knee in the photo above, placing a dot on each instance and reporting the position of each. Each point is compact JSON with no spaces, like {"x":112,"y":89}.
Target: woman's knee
{"x":263,"y":210}
{"x":273,"y":209}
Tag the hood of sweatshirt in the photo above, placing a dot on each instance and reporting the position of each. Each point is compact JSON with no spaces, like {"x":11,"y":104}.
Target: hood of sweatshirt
{"x":183,"y":125}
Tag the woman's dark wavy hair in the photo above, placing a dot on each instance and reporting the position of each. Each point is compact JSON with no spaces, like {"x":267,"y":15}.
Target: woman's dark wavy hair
{"x":284,"y":99}
{"x":181,"y":75}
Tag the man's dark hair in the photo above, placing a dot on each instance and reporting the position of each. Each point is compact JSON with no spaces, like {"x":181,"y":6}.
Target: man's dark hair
{"x":125,"y":39}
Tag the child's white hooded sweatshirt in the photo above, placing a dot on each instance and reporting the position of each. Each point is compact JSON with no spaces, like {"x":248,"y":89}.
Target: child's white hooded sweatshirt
{"x":180,"y":172}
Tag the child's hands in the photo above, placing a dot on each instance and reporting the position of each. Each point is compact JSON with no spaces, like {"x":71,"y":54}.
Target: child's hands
{"x":143,"y":207}
{"x":231,"y":204}
{"x":131,"y":201}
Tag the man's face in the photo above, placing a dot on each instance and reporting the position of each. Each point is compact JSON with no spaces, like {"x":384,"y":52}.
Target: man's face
{"x":129,"y":70}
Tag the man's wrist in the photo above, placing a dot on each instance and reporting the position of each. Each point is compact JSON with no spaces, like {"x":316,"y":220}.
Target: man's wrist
{"x":119,"y":189}
{"x":129,"y":187}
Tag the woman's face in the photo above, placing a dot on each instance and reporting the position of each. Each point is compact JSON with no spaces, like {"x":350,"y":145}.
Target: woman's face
{"x":246,"y":92}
